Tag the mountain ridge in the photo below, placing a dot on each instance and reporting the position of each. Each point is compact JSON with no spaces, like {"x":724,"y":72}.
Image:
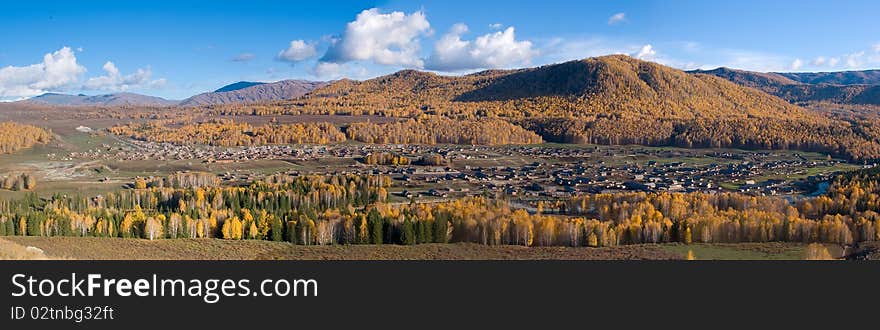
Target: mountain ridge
{"x":258,"y":92}
{"x":112,"y":99}
{"x":613,"y":99}
{"x":847,"y":87}
{"x":582,"y":87}
{"x":237,"y":85}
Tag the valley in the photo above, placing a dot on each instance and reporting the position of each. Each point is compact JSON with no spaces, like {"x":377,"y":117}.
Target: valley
{"x":569,"y":168}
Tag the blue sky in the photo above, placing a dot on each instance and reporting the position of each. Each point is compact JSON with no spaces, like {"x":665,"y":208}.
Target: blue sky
{"x":175,"y":49}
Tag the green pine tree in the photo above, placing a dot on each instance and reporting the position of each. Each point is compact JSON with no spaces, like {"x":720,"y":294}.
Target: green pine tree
{"x":276,"y":229}
{"x":374,"y":221}
{"x":407,"y":233}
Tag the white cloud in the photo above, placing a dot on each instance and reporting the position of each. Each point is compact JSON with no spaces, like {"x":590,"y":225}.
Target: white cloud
{"x":494,"y":50}
{"x":327,"y":70}
{"x":298,"y":51}
{"x":691,"y":46}
{"x":647,"y":52}
{"x":854,"y":60}
{"x":819,"y":61}
{"x":832,"y":62}
{"x":243,"y":57}
{"x":748,"y":60}
{"x":388,"y":39}
{"x":115,"y":81}
{"x":876,"y":48}
{"x":616,"y":18}
{"x":495,"y":26}
{"x":796,"y":64}
{"x":559,"y":50}
{"x":58,"y":71}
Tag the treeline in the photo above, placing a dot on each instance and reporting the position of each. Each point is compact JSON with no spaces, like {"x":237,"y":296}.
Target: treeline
{"x":228,"y":133}
{"x":425,"y":130}
{"x":179,"y":180}
{"x":385,"y":158}
{"x":439,"y":130}
{"x":14,"y":137}
{"x":352,"y":210}
{"x":719,"y":218}
{"x":262,"y":209}
{"x":20,"y":181}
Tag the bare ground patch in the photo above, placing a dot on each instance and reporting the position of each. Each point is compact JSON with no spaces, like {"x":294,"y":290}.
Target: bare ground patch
{"x":13,"y":251}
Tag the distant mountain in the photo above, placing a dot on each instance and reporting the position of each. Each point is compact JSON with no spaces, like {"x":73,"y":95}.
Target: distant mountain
{"x":867,"y":77}
{"x":114,"y":99}
{"x":258,"y":92}
{"x":851,"y":87}
{"x":237,"y":86}
{"x":768,"y":82}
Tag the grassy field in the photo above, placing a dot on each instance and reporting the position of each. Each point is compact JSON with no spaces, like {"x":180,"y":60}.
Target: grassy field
{"x":215,"y":249}
{"x":746,"y":251}
{"x":89,"y":248}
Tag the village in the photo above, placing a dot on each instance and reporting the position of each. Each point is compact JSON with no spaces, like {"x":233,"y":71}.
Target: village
{"x":527,"y":172}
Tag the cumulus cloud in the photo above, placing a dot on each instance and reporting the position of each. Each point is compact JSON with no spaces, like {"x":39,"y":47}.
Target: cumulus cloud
{"x":115,"y":81}
{"x":559,"y":49}
{"x":494,"y":50}
{"x":833,"y":61}
{"x":388,"y":39}
{"x":749,"y":60}
{"x":58,"y":71}
{"x":495,"y":26}
{"x":327,"y":70}
{"x":819,"y":61}
{"x":298,"y":51}
{"x":647,"y":52}
{"x":854,"y":60}
{"x":616,"y":18}
{"x":243,"y":57}
{"x":796,"y":64}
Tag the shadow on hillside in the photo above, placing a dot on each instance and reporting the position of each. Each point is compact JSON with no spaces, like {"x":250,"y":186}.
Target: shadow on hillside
{"x":570,"y":78}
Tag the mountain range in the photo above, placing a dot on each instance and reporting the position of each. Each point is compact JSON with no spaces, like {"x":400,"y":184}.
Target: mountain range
{"x":249,"y":92}
{"x":115,"y":99}
{"x":849,"y":87}
{"x":239,"y":92}
{"x":612,"y":99}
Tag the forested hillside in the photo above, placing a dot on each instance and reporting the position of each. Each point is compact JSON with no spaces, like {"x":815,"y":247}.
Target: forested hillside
{"x":610,"y":99}
{"x":424,"y":130}
{"x":229,"y":133}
